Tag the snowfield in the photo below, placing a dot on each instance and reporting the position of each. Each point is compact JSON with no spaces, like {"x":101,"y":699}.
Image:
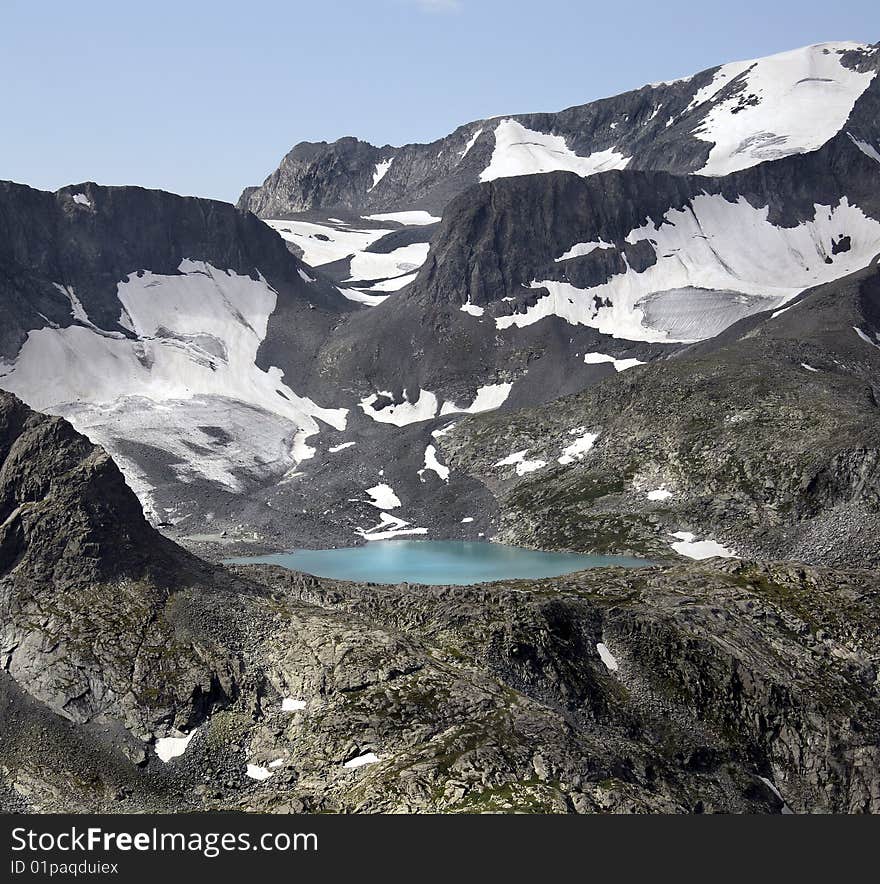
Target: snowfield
{"x":689,"y":546}
{"x":523,"y":466}
{"x":192,"y":369}
{"x":173,"y":747}
{"x":717,"y":261}
{"x":784,"y":104}
{"x":521,"y":151}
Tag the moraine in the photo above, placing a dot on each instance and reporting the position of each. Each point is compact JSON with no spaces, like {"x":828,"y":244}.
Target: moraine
{"x":436,"y":563}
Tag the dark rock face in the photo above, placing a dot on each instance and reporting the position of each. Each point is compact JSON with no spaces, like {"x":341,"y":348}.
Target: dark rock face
{"x":111,"y":232}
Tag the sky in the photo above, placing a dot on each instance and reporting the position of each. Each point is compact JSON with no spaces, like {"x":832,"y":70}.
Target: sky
{"x":205,"y":98}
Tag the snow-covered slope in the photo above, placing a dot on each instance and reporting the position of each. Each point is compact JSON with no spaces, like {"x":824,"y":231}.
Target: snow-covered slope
{"x":184,"y":381}
{"x":774,"y":107}
{"x":716,"y":261}
{"x":370,"y":275}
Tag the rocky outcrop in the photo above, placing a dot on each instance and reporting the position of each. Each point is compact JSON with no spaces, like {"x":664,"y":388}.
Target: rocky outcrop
{"x":87,"y":588}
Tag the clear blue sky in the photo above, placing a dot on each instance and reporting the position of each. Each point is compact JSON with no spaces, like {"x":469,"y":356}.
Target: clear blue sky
{"x":205,"y":98}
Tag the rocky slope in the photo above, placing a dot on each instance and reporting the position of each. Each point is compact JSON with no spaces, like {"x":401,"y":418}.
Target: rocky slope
{"x":672,"y":689}
{"x":765,"y":439}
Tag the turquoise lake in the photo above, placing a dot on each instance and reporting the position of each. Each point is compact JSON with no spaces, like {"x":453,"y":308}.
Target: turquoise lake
{"x":446,"y":562}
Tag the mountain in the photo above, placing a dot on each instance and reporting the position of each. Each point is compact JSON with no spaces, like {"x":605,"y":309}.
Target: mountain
{"x":266,"y":388}
{"x":719,"y":121}
{"x":137,"y":678}
{"x":649,"y":324}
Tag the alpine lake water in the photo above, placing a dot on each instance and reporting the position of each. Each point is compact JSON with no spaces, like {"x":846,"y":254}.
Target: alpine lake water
{"x":435,"y":562}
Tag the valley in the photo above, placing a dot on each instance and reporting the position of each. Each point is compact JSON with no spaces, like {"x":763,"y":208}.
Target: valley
{"x":536,"y":468}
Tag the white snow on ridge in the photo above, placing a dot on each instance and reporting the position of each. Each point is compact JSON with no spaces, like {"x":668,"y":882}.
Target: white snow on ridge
{"x":380,"y":171}
{"x":689,"y":546}
{"x":728,"y":250}
{"x":790,"y":103}
{"x":410,"y":219}
{"x":193,"y":366}
{"x":867,"y":149}
{"x":81,"y":199}
{"x":521,"y":151}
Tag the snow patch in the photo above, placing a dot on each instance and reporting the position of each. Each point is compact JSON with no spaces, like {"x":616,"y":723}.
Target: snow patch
{"x":865,"y":337}
{"x":607,"y":657}
{"x":523,"y":466}
{"x":521,"y":151}
{"x":689,"y":546}
{"x":867,"y":149}
{"x":402,"y":413}
{"x":808,"y":367}
{"x":384,"y":497}
{"x":659,"y":494}
{"x":361,"y":760}
{"x":193,"y":365}
{"x":619,"y":364}
{"x":81,"y":200}
{"x":258,"y":772}
{"x":581,"y":249}
{"x":289,"y":704}
{"x":473,"y":309}
{"x":381,"y":171}
{"x":431,"y":463}
{"x":388,"y":528}
{"x":303,"y":275}
{"x":172,"y":747}
{"x":334,"y":448}
{"x":578,"y":449}
{"x":727,"y":250}
{"x":488,"y":398}
{"x":471,"y":142}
